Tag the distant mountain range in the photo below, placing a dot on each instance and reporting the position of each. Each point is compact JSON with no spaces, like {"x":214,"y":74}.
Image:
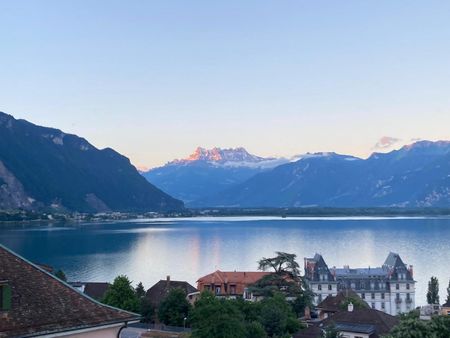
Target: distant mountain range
{"x":44,"y":168}
{"x":417,"y":175}
{"x":207,"y":172}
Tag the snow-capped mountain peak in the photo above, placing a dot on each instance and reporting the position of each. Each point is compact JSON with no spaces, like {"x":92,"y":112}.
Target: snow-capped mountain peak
{"x":220,"y":155}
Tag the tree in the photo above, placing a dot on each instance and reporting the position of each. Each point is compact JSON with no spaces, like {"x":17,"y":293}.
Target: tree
{"x":411,"y":326}
{"x":122,"y":295}
{"x":285,"y":276}
{"x":140,"y":290}
{"x":282,"y":264}
{"x":433,"y":291}
{"x":255,"y":330}
{"x":277,"y":316}
{"x":174,"y":308}
{"x":448,"y":293}
{"x":61,"y":275}
{"x":331,"y":332}
{"x":214,"y":318}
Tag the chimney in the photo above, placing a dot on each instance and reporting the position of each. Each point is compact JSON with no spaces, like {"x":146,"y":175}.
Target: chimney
{"x":350,"y":307}
{"x":411,"y":271}
{"x":168,"y":280}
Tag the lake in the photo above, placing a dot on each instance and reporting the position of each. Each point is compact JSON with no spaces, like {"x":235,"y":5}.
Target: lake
{"x":148,"y":250}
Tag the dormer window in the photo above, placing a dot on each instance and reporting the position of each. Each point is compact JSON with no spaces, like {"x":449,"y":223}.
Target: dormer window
{"x":5,"y":296}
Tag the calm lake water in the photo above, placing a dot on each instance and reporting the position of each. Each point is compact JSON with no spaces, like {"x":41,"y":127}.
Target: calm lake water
{"x":185,"y":249}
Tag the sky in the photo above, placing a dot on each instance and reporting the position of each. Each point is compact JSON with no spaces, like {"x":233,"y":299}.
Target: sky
{"x":156,"y":79}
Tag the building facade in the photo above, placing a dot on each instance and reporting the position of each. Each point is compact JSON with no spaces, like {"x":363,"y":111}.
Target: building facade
{"x":389,"y":288}
{"x":230,"y":284}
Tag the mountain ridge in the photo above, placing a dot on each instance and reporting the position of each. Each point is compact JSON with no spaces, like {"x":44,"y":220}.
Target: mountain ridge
{"x":43,"y":167}
{"x":416,"y":175}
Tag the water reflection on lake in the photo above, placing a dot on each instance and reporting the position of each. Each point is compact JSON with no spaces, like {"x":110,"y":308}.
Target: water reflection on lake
{"x":185,"y":249}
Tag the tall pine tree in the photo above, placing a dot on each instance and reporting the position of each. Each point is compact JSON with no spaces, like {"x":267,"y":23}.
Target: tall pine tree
{"x":433,"y":291}
{"x":448,"y":293}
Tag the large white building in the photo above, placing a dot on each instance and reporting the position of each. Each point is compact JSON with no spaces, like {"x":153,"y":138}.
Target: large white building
{"x":389,"y":288}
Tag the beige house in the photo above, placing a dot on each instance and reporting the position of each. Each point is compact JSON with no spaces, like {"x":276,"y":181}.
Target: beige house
{"x":33,"y":303}
{"x":445,"y":310}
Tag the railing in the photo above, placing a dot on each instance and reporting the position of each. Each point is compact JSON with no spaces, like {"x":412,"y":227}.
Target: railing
{"x":409,"y":300}
{"x":398,"y":300}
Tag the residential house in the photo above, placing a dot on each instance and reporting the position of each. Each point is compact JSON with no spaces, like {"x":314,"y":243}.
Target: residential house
{"x":96,"y":290}
{"x":353,"y":323}
{"x":445,"y":309}
{"x":389,"y":288}
{"x":231,"y":284}
{"x":36,"y":303}
{"x":156,"y":294}
{"x":333,"y":304}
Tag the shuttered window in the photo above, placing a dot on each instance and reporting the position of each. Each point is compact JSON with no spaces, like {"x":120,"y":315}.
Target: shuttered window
{"x":5,"y":297}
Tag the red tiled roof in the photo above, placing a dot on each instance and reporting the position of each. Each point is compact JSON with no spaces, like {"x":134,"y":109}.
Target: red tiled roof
{"x":42,"y":304}
{"x":238,"y":277}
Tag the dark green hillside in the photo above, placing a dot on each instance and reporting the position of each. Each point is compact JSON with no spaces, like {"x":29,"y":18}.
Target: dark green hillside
{"x":42,"y":167}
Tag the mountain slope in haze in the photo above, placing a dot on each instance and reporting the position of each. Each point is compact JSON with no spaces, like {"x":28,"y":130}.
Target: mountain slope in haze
{"x":207,"y":172}
{"x":417,"y":175}
{"x":44,"y":167}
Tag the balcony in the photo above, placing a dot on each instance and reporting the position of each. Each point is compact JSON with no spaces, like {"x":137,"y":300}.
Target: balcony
{"x":398,"y":301}
{"x":408,"y":300}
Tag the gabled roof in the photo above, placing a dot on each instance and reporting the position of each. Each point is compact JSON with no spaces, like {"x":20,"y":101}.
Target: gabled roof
{"x":96,"y":290}
{"x":334,"y":303}
{"x":160,"y":290}
{"x":233,"y":277}
{"x":360,"y":318}
{"x":42,"y":304}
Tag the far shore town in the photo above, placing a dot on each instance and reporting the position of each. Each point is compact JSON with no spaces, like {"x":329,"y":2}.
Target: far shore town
{"x":275,"y":300}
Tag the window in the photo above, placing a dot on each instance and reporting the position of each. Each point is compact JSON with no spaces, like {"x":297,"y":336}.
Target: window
{"x":407,"y":286}
{"x":319,"y":287}
{"x":320,"y":298}
{"x":373,"y":305}
{"x":330,"y":287}
{"x":233,"y":289}
{"x":397,"y":286}
{"x":382,"y":295}
{"x":217,"y":289}
{"x":5,"y":297}
{"x":372,"y":295}
{"x":408,"y":297}
{"x":382,"y":305}
{"x":397,"y":296}
{"x":363,"y":295}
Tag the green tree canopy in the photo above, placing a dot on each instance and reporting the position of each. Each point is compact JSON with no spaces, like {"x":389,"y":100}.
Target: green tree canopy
{"x":140,"y":290}
{"x":331,"y":332}
{"x":61,"y":275}
{"x":411,"y":326}
{"x":174,"y":308}
{"x":277,"y":316}
{"x":214,"y":318}
{"x":433,"y":291}
{"x":282,"y":264}
{"x":448,"y":293}
{"x":122,"y":295}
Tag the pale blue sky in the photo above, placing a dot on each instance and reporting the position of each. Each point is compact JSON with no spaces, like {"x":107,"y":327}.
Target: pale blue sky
{"x":155,"y":79}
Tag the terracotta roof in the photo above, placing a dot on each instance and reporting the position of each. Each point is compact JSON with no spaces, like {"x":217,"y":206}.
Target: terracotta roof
{"x":241,"y":277}
{"x":382,"y":322}
{"x":42,"y":304}
{"x":160,"y":290}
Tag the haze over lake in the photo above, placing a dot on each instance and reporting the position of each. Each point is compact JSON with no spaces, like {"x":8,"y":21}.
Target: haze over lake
{"x":149,"y":250}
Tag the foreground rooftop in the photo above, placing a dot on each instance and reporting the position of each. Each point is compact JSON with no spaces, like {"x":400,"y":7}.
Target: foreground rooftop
{"x":39,"y":303}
